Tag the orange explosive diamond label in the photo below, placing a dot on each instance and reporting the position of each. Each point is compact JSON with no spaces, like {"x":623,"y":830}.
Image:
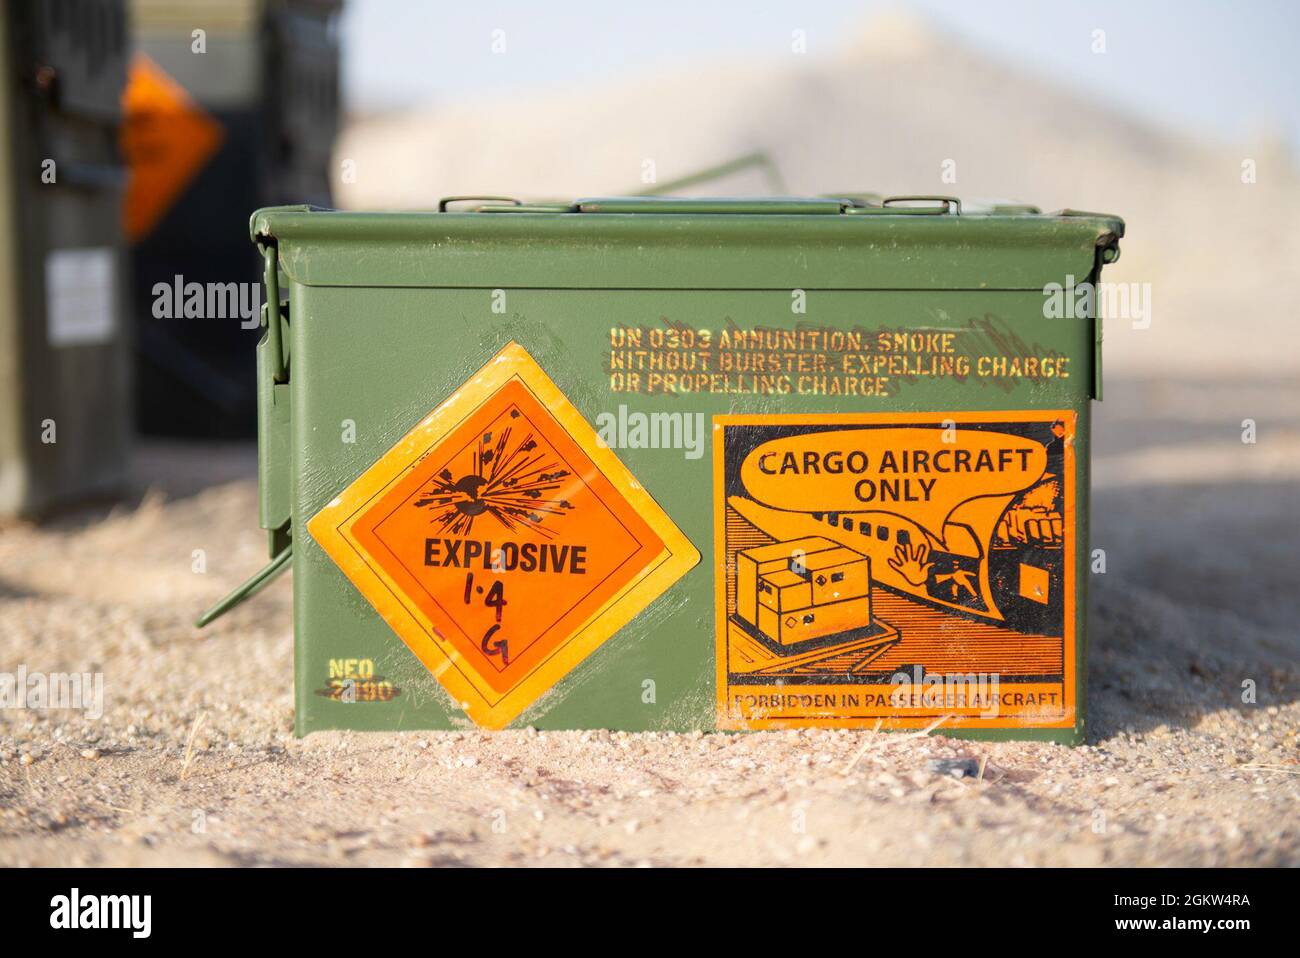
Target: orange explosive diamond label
{"x":167,"y":139}
{"x":501,"y":540}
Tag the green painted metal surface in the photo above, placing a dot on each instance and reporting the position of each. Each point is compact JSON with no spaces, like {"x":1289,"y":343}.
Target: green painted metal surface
{"x":65,"y":369}
{"x":390,"y":313}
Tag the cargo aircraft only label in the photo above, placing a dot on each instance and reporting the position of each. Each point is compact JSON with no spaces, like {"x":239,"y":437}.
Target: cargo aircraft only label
{"x":501,"y":540}
{"x":903,"y":569}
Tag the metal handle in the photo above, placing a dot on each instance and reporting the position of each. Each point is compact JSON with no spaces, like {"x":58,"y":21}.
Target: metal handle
{"x":950,"y":204}
{"x":448,"y":200}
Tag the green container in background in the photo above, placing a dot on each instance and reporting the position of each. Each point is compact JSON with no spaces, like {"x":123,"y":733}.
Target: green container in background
{"x":65,"y":399}
{"x":657,"y":463}
{"x":267,"y":80}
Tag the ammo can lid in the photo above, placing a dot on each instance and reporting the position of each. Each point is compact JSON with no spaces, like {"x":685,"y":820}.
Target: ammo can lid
{"x":843,"y":240}
{"x":831,"y":204}
{"x":847,"y":203}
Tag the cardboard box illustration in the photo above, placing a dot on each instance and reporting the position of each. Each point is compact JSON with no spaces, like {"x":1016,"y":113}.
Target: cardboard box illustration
{"x":804,"y":589}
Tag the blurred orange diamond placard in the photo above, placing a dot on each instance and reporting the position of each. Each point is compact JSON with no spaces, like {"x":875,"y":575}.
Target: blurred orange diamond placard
{"x":166,"y":139}
{"x":501,"y":540}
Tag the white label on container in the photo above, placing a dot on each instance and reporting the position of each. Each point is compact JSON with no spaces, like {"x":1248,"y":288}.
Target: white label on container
{"x":79,"y":296}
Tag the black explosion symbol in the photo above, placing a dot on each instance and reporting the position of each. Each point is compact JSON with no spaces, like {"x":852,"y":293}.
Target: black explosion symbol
{"x":516,"y":485}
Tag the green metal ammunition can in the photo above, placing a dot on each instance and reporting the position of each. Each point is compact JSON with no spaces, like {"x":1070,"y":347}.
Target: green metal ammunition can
{"x":658,"y":463}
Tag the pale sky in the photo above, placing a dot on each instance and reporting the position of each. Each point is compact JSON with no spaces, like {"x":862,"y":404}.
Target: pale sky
{"x":1228,"y":68}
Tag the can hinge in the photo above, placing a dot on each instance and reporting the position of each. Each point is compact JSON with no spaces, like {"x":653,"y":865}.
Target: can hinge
{"x":272,"y":440}
{"x":1106,"y":252}
{"x":271,"y":315}
{"x":274,"y":417}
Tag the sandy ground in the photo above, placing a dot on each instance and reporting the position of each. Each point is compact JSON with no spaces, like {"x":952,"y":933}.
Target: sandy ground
{"x":193,"y":762}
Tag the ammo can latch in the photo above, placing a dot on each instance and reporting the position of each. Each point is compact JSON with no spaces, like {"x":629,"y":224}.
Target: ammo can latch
{"x":272,"y":440}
